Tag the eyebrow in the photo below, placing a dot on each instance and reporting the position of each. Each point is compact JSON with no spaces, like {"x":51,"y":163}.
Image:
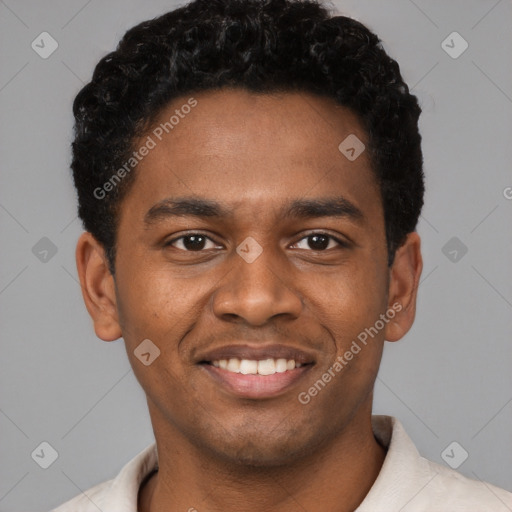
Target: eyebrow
{"x":324,"y":207}
{"x":339,"y":207}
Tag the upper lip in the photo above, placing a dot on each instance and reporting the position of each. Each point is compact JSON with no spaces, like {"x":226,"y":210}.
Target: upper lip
{"x":258,"y":353}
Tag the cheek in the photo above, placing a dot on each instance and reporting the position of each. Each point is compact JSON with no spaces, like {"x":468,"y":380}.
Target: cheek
{"x":350,"y":299}
{"x":149,"y":300}
{"x":158,"y":306}
{"x":349,"y":307}
{"x":349,"y":312}
{"x":154,"y":315}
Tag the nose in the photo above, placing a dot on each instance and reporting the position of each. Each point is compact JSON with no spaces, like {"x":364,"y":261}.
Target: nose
{"x":257,"y":292}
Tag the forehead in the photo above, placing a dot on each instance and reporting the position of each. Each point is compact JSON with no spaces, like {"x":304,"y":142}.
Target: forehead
{"x":239,"y":121}
{"x":252,"y":150}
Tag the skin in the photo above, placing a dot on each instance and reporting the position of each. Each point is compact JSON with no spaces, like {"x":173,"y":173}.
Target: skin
{"x":217,"y":451}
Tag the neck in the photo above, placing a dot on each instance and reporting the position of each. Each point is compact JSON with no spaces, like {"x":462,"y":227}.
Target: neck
{"x":338,"y":476}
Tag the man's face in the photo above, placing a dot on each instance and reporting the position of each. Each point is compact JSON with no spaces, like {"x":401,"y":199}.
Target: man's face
{"x":200,"y":300}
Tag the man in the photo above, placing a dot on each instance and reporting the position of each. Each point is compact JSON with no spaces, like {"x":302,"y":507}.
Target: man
{"x":250,"y":177}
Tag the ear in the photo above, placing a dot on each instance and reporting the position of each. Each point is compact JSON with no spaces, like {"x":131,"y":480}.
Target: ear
{"x":403,"y":287}
{"x":98,"y":287}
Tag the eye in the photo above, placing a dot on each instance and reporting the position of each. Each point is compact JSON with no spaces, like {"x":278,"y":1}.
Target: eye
{"x":320,"y":242}
{"x":193,"y":242}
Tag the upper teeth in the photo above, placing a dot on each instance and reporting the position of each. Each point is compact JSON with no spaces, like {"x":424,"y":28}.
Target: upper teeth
{"x":248,"y":366}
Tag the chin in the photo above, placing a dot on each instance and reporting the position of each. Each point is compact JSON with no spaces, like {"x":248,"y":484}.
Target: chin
{"x":261,"y":449}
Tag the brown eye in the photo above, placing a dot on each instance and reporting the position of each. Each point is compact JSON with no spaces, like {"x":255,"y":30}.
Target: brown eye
{"x":320,"y":242}
{"x":192,"y":243}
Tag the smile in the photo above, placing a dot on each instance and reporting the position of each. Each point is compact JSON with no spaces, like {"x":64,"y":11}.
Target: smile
{"x":254,"y":367}
{"x":256,"y":379}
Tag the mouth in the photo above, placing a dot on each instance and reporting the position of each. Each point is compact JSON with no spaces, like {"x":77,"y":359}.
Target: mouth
{"x":256,"y":373}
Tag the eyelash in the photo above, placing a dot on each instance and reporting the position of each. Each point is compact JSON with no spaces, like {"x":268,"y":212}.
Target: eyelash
{"x":341,"y":243}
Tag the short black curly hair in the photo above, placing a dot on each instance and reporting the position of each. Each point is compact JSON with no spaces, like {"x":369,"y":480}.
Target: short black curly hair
{"x":262,"y":46}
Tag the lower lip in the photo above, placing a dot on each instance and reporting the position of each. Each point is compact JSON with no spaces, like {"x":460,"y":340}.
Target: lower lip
{"x":257,"y":386}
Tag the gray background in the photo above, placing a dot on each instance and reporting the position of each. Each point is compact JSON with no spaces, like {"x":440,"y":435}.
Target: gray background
{"x":448,"y":380}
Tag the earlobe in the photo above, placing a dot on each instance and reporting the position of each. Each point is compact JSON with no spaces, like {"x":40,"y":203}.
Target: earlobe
{"x":98,"y":288}
{"x":403,"y":286}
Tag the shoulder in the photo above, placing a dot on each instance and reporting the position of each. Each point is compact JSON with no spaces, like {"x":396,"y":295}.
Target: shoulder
{"x":458,"y":493}
{"x":411,"y":483}
{"x":88,"y":501}
{"x":119,"y":493}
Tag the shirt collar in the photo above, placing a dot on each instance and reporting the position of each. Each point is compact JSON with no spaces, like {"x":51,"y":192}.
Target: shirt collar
{"x":404,"y":472}
{"x":123,"y":493}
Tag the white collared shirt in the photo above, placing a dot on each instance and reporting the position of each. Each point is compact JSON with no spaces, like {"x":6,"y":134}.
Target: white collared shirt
{"x":406,"y":482}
